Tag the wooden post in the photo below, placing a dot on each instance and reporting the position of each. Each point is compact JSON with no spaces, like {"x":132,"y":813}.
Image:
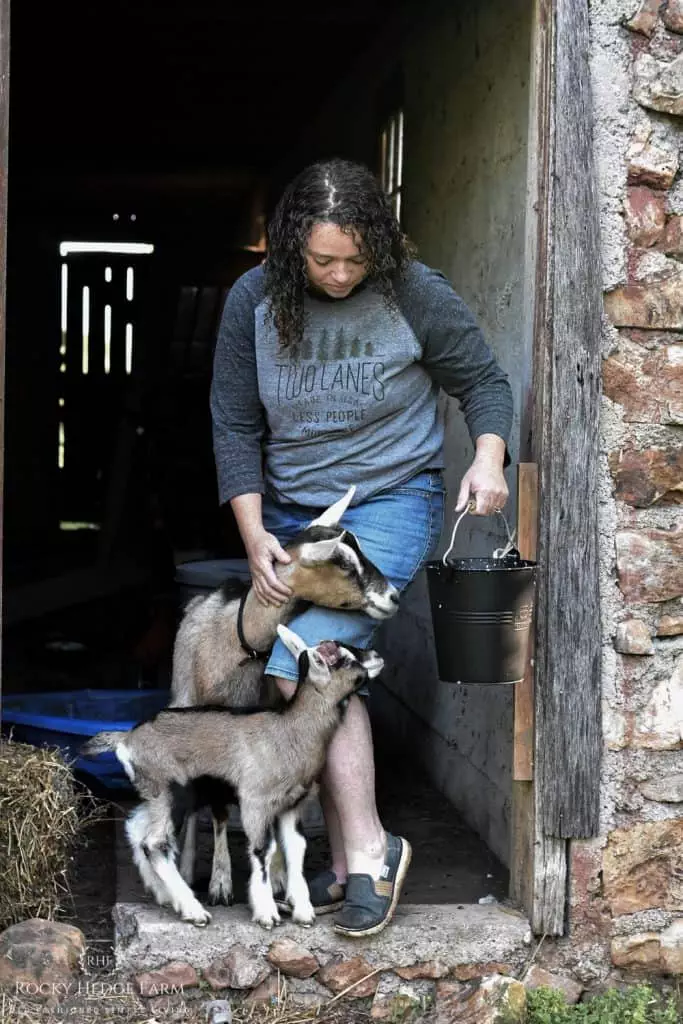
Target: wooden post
{"x":566,"y":444}
{"x":527,"y":528}
{"x":4,"y":137}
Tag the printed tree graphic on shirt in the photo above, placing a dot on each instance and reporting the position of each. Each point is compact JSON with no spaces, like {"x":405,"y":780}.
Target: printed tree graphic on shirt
{"x":340,"y":344}
{"x":337,"y":347}
{"x":306,"y":351}
{"x":323,"y":345}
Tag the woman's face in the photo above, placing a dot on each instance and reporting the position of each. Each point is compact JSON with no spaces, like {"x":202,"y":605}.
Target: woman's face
{"x":334,"y":262}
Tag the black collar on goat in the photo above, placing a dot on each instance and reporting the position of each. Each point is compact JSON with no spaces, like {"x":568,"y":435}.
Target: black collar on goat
{"x":251,"y":654}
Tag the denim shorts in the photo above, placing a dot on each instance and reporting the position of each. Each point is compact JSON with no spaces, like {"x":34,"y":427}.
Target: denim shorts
{"x":398,"y":530}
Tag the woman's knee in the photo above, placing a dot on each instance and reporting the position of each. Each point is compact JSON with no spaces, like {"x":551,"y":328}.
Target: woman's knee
{"x":286,"y":687}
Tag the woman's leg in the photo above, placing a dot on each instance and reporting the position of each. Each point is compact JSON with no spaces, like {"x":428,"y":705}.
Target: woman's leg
{"x":397,"y":532}
{"x":347,"y":794}
{"x":348,"y":787}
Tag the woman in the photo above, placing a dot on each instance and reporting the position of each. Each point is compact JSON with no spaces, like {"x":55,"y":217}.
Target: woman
{"x":328,"y":365}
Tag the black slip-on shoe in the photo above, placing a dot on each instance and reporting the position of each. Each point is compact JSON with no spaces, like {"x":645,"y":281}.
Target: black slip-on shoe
{"x":370,"y":904}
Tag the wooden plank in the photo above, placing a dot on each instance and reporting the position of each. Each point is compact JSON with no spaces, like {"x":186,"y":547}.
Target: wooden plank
{"x":526,"y":870}
{"x":566,"y":448}
{"x":527,"y":528}
{"x":522,"y":834}
{"x":4,"y":138}
{"x":550,"y":887}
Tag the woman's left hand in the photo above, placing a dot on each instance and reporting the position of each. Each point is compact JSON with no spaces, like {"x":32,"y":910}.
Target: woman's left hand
{"x":484,"y":482}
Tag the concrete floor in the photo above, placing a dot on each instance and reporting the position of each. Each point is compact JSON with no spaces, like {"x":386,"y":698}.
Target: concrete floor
{"x":438,"y":918}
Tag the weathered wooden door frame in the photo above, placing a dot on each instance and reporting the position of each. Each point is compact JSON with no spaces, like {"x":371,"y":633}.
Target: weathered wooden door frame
{"x":560,"y":433}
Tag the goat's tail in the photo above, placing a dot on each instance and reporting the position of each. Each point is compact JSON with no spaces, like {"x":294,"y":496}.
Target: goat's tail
{"x":102,"y":742}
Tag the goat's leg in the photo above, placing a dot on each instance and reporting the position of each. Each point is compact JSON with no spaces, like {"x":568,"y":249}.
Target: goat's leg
{"x":152,"y":830}
{"x":262,"y":846}
{"x":188,"y":848}
{"x":163,"y":861}
{"x":293,"y":843}
{"x":278,"y":872}
{"x":137,"y":827}
{"x":220,"y":886}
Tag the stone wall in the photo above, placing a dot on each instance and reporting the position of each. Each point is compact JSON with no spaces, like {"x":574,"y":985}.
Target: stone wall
{"x":627,"y":886}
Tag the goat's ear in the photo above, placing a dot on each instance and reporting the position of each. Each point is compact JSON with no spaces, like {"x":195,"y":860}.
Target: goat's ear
{"x":334,"y":513}
{"x":372,"y":663}
{"x":318,"y":551}
{"x":318,"y":670}
{"x":294,"y":644}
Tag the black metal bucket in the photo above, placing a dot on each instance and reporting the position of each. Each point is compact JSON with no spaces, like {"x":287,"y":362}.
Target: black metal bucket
{"x":482,"y":610}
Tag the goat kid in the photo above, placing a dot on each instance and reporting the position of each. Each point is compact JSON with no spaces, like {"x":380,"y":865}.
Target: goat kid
{"x":268,"y":759}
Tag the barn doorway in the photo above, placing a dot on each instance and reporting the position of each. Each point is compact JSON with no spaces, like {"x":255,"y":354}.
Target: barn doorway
{"x":195,"y":119}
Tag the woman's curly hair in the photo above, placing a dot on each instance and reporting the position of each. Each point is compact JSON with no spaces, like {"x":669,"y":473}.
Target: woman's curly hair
{"x":338,"y":192}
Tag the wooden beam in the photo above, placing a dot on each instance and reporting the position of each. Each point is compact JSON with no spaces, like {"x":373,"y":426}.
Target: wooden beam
{"x":527,"y":529}
{"x":4,"y":138}
{"x":560,"y":433}
{"x":566,"y":444}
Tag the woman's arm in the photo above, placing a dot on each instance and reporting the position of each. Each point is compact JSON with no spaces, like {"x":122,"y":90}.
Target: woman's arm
{"x":456,"y":356}
{"x":238,"y":428}
{"x":262,"y":550}
{"x":484,"y":480}
{"x":236,"y":412}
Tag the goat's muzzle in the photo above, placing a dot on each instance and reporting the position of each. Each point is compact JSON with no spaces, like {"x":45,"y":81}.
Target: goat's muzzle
{"x":381,"y":604}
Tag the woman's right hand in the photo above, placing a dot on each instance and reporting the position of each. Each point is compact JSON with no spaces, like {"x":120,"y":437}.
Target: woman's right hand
{"x":263,"y":550}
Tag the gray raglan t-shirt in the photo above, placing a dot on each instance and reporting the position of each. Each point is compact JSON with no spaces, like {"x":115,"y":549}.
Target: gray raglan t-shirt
{"x":358,"y":402}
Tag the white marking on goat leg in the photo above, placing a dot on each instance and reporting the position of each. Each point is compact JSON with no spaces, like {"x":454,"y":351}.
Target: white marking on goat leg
{"x":188,"y":848}
{"x":264,"y":910}
{"x":220,"y":886}
{"x":184,"y":900}
{"x":294,"y":848}
{"x":136,"y":831}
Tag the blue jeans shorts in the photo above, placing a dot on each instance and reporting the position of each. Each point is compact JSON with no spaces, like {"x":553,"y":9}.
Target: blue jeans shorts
{"x":398,"y":530}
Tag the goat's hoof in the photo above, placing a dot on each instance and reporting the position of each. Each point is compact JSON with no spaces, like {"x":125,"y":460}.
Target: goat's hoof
{"x":305,"y":918}
{"x":267,"y":922}
{"x":201,"y":922}
{"x":199,"y":919}
{"x":215,"y":898}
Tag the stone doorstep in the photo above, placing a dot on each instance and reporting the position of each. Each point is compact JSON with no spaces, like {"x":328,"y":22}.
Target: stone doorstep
{"x":147,"y":936}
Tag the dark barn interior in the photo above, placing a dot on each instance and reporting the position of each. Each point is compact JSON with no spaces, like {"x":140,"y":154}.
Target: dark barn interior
{"x":144,"y":122}
{"x":172,"y":125}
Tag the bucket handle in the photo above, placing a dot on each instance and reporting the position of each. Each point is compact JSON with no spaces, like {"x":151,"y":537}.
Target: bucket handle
{"x":499,"y":552}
